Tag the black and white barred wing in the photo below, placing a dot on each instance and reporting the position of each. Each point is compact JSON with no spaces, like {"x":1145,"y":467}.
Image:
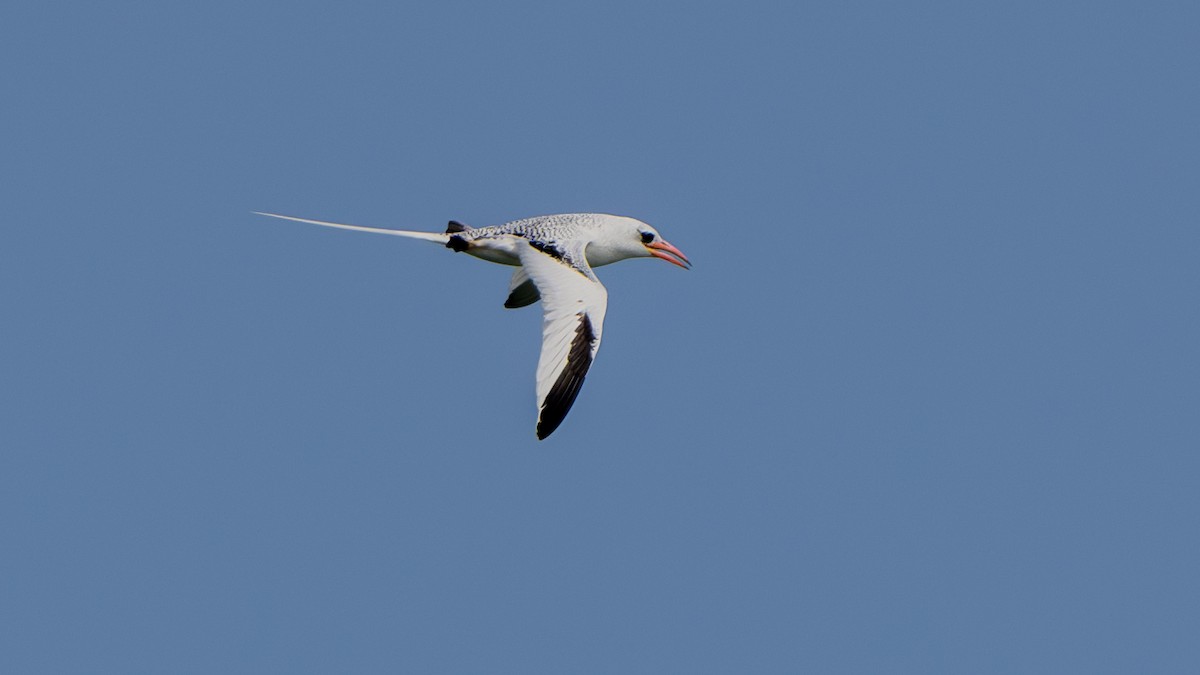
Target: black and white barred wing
{"x":573,"y":305}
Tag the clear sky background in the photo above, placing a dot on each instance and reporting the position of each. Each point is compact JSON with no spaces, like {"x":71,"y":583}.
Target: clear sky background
{"x":929,"y":401}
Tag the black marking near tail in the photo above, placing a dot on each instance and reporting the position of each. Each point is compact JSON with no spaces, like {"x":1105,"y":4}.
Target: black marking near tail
{"x":456,"y":226}
{"x":562,"y":395}
{"x":458,"y":244}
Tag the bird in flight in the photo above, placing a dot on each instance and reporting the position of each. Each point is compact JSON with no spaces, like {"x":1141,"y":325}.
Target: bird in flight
{"x":554,"y":256}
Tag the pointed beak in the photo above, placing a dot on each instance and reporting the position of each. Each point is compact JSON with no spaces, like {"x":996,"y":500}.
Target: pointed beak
{"x":661,"y":249}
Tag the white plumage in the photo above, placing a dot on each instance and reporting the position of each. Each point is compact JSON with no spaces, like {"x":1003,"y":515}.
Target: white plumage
{"x":555,"y":255}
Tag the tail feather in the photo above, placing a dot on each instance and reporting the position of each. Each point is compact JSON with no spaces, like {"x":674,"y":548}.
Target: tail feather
{"x":427,"y":236}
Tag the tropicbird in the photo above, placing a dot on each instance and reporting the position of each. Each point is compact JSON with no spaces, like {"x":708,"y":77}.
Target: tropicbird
{"x":554,"y":256}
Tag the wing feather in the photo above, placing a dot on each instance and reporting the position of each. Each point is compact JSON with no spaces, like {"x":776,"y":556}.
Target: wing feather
{"x":522,"y":292}
{"x":573,"y":306}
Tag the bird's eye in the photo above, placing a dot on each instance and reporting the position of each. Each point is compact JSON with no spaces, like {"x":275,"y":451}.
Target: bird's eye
{"x":647,"y":237}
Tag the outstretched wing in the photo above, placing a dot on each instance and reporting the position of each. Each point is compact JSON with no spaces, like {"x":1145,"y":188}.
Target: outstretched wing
{"x":573,"y":305}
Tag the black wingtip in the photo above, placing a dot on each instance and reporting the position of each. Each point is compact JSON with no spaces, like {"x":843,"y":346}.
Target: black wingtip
{"x":456,"y":226}
{"x":562,"y":395}
{"x":522,"y":296}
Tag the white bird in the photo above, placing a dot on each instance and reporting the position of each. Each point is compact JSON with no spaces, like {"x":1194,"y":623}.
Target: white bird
{"x":555,"y":256}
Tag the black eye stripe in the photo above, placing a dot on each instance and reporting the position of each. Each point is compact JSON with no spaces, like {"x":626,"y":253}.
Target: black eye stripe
{"x":647,"y":237}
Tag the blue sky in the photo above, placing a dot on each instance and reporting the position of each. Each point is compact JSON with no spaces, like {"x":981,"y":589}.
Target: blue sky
{"x":926,"y":403}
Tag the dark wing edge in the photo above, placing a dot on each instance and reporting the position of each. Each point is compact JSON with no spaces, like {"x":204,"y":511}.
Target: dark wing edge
{"x":523,"y":295}
{"x":562,"y":395}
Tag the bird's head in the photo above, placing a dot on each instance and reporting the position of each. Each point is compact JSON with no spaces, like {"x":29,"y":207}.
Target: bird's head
{"x":631,"y":238}
{"x":656,"y":246}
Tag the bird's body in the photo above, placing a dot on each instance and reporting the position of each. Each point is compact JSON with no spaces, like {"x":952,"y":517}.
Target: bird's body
{"x":555,"y":256}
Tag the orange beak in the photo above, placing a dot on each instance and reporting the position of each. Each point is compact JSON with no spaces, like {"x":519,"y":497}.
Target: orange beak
{"x":661,"y":249}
